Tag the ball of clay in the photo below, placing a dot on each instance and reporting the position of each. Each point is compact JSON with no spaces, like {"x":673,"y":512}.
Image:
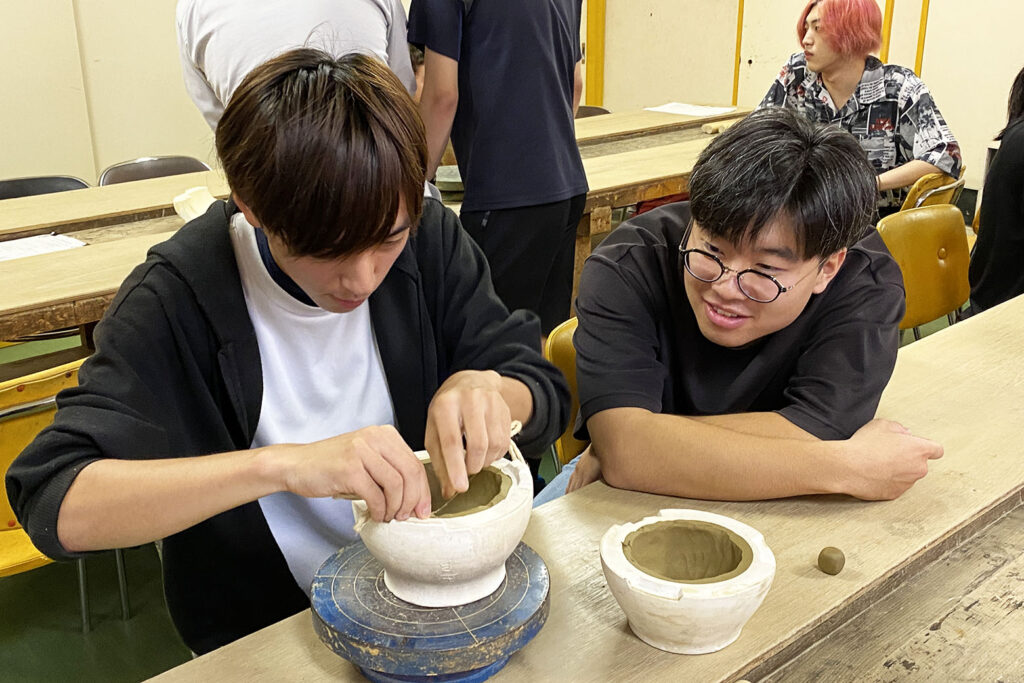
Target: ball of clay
{"x":831,"y":560}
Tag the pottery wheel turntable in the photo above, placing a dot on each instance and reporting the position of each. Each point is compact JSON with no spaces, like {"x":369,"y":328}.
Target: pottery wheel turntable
{"x":357,"y":617}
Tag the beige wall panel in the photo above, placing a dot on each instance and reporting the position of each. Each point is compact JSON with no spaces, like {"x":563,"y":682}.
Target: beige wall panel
{"x":659,"y":51}
{"x":769,"y":38}
{"x":43,"y":115}
{"x":970,"y":71}
{"x":906,"y":18}
{"x":136,"y":96}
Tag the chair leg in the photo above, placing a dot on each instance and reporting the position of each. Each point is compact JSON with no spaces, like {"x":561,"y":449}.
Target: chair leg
{"x":950,"y":318}
{"x":555,"y":459}
{"x":122,"y":584}
{"x":917,"y":334}
{"x":83,"y":595}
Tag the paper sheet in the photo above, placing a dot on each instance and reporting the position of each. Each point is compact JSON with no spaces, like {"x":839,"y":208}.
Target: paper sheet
{"x":38,"y":244}
{"x":691,"y":109}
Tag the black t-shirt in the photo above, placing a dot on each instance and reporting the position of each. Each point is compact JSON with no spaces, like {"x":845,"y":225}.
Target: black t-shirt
{"x":638,"y":343}
{"x":513,"y":134}
{"x":997,"y":266}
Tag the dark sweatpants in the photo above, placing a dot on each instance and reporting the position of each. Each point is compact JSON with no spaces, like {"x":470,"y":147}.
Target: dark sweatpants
{"x":530,"y":250}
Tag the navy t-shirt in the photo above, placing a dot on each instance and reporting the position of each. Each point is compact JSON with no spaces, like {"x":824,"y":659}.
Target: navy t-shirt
{"x":513,"y":133}
{"x":638,"y":343}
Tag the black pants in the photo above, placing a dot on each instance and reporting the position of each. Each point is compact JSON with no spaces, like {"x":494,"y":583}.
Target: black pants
{"x":530,"y":251}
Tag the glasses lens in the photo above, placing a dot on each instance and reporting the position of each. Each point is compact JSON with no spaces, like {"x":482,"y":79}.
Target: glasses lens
{"x":702,"y":266}
{"x":759,"y":286}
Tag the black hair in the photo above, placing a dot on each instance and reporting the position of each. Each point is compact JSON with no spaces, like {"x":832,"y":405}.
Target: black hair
{"x":777,"y":164}
{"x":1015,"y":106}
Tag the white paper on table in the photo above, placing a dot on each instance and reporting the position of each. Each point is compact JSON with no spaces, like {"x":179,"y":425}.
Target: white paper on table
{"x":38,"y":244}
{"x":691,"y":109}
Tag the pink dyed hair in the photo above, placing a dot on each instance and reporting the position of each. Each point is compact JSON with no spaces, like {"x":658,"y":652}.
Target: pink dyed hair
{"x":852,"y":27}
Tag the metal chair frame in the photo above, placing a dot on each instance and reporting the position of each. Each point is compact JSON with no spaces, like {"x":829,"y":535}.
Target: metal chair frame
{"x":110,"y":173}
{"x":83,"y":583}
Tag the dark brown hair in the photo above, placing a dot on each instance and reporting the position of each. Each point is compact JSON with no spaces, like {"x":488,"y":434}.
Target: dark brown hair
{"x":321,"y":149}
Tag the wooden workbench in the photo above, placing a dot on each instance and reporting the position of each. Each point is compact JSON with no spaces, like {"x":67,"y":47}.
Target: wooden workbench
{"x":73,"y":288}
{"x":963,"y":387}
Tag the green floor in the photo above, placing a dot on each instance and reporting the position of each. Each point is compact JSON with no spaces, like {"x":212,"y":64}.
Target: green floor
{"x":41,"y":635}
{"x":40,"y":623}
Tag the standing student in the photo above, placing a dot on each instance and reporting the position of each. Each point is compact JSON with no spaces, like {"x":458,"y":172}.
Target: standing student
{"x":292,"y":345}
{"x":734,"y":347}
{"x":886,"y":107}
{"x":220,"y":41}
{"x":997,"y":265}
{"x":503,"y":79}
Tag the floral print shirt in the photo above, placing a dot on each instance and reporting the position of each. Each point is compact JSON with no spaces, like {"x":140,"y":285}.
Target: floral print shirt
{"x":891,"y":113}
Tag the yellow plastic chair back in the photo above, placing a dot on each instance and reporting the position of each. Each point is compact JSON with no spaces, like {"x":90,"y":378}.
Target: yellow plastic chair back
{"x":26,"y":407}
{"x":933,"y":189}
{"x":930,"y":246}
{"x":562,"y":354}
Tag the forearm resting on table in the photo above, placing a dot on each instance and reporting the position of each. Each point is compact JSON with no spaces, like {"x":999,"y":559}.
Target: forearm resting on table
{"x":711,"y":458}
{"x":905,"y":175}
{"x":119,"y":503}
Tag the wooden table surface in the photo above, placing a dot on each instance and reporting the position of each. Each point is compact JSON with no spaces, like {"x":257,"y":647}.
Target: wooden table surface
{"x":963,"y":387}
{"x":616,"y":125}
{"x":95,"y":207}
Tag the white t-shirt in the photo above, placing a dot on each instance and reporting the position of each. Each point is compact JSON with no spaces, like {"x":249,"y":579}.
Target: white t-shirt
{"x":322,"y":376}
{"x":221,"y":41}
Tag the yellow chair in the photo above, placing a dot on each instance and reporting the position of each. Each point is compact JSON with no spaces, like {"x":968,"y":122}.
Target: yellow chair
{"x":562,"y":354}
{"x":27,"y":405}
{"x":930,"y":246}
{"x":934,"y":188}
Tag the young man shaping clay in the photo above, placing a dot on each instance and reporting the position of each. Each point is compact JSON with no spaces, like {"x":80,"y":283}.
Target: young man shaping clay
{"x":286,"y":348}
{"x":735,"y":347}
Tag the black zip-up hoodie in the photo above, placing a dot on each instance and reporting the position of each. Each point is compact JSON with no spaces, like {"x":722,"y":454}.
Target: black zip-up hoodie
{"x":176,"y":373}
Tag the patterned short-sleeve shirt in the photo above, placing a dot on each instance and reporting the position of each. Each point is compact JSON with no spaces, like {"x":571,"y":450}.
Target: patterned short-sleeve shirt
{"x":891,"y":113}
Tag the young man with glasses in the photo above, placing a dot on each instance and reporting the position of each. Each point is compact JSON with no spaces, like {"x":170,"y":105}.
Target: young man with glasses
{"x":735,"y":347}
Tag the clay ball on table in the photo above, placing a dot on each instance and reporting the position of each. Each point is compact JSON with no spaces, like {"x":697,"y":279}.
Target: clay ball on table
{"x":831,"y":560}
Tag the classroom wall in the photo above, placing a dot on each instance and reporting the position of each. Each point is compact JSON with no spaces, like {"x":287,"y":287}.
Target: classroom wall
{"x":88,"y":83}
{"x":659,"y":51}
{"x":44,"y":121}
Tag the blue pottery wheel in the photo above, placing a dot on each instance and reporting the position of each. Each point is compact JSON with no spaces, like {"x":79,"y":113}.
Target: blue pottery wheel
{"x":357,"y":617}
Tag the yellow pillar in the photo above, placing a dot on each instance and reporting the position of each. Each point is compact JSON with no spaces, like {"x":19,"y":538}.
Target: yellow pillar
{"x":886,"y":30}
{"x":739,"y":44}
{"x":920,"y":37}
{"x":595,"y":52}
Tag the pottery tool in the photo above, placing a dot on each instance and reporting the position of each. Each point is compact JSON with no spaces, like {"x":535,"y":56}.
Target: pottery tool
{"x":388,"y":639}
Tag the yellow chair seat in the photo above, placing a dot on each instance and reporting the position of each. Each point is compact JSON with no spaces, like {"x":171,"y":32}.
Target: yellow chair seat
{"x":17,"y":554}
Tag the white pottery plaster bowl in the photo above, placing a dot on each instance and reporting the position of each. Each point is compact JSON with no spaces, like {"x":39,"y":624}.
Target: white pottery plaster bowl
{"x":685,"y":617}
{"x":443,"y":562}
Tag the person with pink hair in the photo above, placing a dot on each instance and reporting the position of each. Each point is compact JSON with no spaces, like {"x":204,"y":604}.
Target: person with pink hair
{"x":836,"y":79}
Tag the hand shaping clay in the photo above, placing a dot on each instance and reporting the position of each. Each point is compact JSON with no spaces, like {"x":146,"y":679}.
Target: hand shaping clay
{"x":831,"y":560}
{"x":486,"y":488}
{"x":687,"y":551}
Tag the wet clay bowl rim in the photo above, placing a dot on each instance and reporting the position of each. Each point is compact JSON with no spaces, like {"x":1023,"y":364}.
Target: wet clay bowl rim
{"x":522,"y":485}
{"x":761,"y":568}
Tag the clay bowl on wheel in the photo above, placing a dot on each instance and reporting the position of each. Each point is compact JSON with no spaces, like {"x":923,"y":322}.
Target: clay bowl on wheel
{"x":687,"y":580}
{"x":458,"y":554}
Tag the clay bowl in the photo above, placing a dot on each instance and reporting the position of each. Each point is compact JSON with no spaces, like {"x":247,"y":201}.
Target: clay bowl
{"x":687,"y":580}
{"x":458,"y":554}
